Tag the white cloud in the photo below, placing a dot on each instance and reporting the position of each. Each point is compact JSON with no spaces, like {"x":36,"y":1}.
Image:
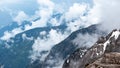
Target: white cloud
{"x":81,"y":16}
{"x":109,"y":13}
{"x":45,"y":11}
{"x":56,"y":62}
{"x":46,"y":44}
{"x":73,"y":26}
{"x":93,"y":16}
{"x":54,"y":22}
{"x":46,"y":3}
{"x":26,"y":38}
{"x":75,"y":11}
{"x":22,"y":16}
{"x":85,"y":40}
{"x":43,"y":33}
{"x":10,"y":34}
{"x":46,"y":8}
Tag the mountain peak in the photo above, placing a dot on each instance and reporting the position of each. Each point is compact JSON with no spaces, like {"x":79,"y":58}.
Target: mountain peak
{"x":104,"y":46}
{"x":114,"y":35}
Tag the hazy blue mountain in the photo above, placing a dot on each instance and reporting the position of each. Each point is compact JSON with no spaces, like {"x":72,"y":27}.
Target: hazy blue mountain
{"x":13,"y":26}
{"x":15,"y":52}
{"x":19,"y":51}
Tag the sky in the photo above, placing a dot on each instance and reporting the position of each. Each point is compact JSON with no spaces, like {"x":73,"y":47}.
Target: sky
{"x":10,"y":8}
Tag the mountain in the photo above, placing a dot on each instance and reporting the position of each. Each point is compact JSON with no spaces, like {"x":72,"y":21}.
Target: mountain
{"x":17,"y":50}
{"x":104,"y":53}
{"x":62,"y":50}
{"x":13,"y":26}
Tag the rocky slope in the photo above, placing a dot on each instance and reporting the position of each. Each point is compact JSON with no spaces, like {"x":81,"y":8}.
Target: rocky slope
{"x":104,"y":53}
{"x":108,"y":60}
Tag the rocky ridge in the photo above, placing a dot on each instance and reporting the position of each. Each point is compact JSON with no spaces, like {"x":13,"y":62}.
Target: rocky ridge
{"x":104,"y":53}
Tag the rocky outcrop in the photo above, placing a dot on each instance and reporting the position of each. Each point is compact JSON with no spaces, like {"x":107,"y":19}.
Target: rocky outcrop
{"x":104,"y":53}
{"x":109,"y":60}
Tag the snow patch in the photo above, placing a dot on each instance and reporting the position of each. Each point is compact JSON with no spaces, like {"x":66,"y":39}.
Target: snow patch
{"x":115,"y":34}
{"x":68,"y":61}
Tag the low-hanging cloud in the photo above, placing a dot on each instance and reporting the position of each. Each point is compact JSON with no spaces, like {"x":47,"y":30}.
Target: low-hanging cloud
{"x":109,"y":13}
{"x":10,"y":34}
{"x":46,"y":44}
{"x":85,"y":40}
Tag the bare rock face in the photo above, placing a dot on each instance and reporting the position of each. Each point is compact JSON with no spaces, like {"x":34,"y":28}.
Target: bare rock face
{"x":109,"y":60}
{"x":105,"y":53}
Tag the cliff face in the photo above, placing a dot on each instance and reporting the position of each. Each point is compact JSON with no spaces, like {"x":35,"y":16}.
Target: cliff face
{"x":104,"y":53}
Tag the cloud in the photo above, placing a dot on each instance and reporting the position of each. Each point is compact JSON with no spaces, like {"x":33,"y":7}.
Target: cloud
{"x":46,"y":3}
{"x":74,"y":16}
{"x":83,"y":40}
{"x":46,"y":8}
{"x":45,"y":11}
{"x":75,"y":11}
{"x":58,"y":63}
{"x":93,"y":15}
{"x":43,"y":33}
{"x":46,"y":43}
{"x":22,"y":16}
{"x":54,"y":22}
{"x":24,"y":36}
{"x":109,"y":13}
{"x":10,"y":34}
{"x":81,"y":16}
{"x":73,"y":26}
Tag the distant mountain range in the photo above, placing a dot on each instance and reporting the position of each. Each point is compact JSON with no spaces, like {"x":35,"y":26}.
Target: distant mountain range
{"x":13,"y":26}
{"x":62,"y":50}
{"x":17,"y":51}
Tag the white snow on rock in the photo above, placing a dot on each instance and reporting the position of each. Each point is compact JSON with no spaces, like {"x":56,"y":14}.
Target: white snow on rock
{"x":105,"y":45}
{"x":115,"y":34}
